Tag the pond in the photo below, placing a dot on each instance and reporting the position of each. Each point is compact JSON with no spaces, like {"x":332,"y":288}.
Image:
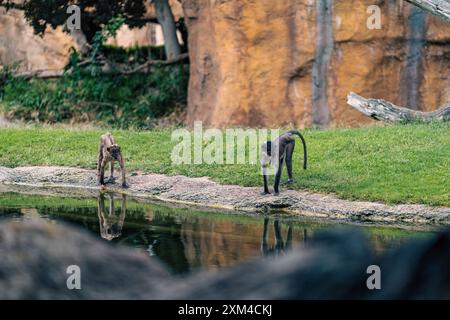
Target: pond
{"x":185,"y":239}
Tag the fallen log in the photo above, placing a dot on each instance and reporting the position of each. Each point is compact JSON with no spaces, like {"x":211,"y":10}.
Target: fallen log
{"x":41,"y":74}
{"x":380,"y":109}
{"x":440,"y":8}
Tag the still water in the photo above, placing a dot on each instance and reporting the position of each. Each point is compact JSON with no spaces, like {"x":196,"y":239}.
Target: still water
{"x":184,"y":239}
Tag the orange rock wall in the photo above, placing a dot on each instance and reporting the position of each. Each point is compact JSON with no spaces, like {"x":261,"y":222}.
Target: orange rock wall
{"x":19,"y":44}
{"x":293,"y":62}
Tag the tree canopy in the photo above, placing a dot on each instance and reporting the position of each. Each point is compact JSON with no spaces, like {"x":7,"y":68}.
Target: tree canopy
{"x":95,"y":13}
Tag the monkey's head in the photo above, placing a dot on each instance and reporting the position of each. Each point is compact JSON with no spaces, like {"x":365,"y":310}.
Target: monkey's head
{"x":114,"y":151}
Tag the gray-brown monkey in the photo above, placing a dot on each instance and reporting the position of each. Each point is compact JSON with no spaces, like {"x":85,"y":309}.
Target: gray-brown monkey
{"x":111,"y":225}
{"x":275,"y":153}
{"x":109,"y":151}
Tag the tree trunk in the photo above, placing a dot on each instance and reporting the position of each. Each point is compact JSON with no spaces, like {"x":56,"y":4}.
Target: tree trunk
{"x":439,"y":8}
{"x":167,"y":22}
{"x":386,"y":111}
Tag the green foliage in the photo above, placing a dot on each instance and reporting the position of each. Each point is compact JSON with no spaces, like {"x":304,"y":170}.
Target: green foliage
{"x":95,"y":13}
{"x":119,"y":101}
{"x":87,"y":93}
{"x":109,"y":30}
{"x":6,"y":76}
{"x":394,"y":164}
{"x":82,"y":95}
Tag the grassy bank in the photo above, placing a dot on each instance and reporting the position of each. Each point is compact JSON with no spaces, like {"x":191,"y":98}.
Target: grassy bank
{"x":394,"y":164}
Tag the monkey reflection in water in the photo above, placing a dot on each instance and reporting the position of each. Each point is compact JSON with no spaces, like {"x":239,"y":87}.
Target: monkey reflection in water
{"x":110,"y":225}
{"x":280,"y":246}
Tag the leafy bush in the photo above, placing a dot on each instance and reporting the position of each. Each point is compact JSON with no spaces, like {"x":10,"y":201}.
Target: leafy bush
{"x":80,"y":96}
{"x":6,"y":75}
{"x":86,"y":93}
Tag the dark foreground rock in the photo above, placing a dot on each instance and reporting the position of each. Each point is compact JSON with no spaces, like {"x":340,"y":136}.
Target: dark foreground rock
{"x":206,"y":193}
{"x":35,"y":257}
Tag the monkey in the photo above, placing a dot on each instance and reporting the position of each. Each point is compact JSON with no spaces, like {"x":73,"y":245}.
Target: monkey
{"x":111,"y":225}
{"x":275,"y":153}
{"x":281,"y":246}
{"x":109,"y":151}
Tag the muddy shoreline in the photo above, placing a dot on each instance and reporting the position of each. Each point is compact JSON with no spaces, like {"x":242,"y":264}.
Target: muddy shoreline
{"x":205,"y":193}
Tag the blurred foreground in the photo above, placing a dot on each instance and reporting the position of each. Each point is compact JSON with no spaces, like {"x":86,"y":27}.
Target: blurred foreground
{"x":36,"y":257}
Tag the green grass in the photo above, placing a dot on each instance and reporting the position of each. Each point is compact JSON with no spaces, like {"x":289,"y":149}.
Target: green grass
{"x":393,"y":164}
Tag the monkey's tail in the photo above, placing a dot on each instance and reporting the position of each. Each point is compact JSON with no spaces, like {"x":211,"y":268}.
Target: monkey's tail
{"x":305,"y":159}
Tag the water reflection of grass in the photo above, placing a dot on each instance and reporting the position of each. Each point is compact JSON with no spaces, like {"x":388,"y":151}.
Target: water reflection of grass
{"x":134,"y":208}
{"x":137,"y":212}
{"x":396,"y":232}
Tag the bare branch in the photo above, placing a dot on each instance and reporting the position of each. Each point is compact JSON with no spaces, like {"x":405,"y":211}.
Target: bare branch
{"x":386,"y":111}
{"x":48,"y":74}
{"x":42,"y":74}
{"x":181,"y":58}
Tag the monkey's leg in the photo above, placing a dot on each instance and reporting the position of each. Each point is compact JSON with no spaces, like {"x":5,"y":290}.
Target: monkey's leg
{"x":111,"y":205}
{"x":276,"y":186}
{"x":111,"y":176}
{"x":99,"y":163}
{"x":265,"y":238}
{"x":289,"y":153}
{"x":266,"y":184}
{"x":122,"y":169}
{"x":123,"y":209}
{"x":289,"y":237}
{"x":102,"y":172}
{"x":101,"y":203}
{"x":279,"y":244}
{"x":101,"y":210}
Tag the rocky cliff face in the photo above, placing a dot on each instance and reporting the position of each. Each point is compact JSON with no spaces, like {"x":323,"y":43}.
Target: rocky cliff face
{"x":293,"y":62}
{"x":19,"y":44}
